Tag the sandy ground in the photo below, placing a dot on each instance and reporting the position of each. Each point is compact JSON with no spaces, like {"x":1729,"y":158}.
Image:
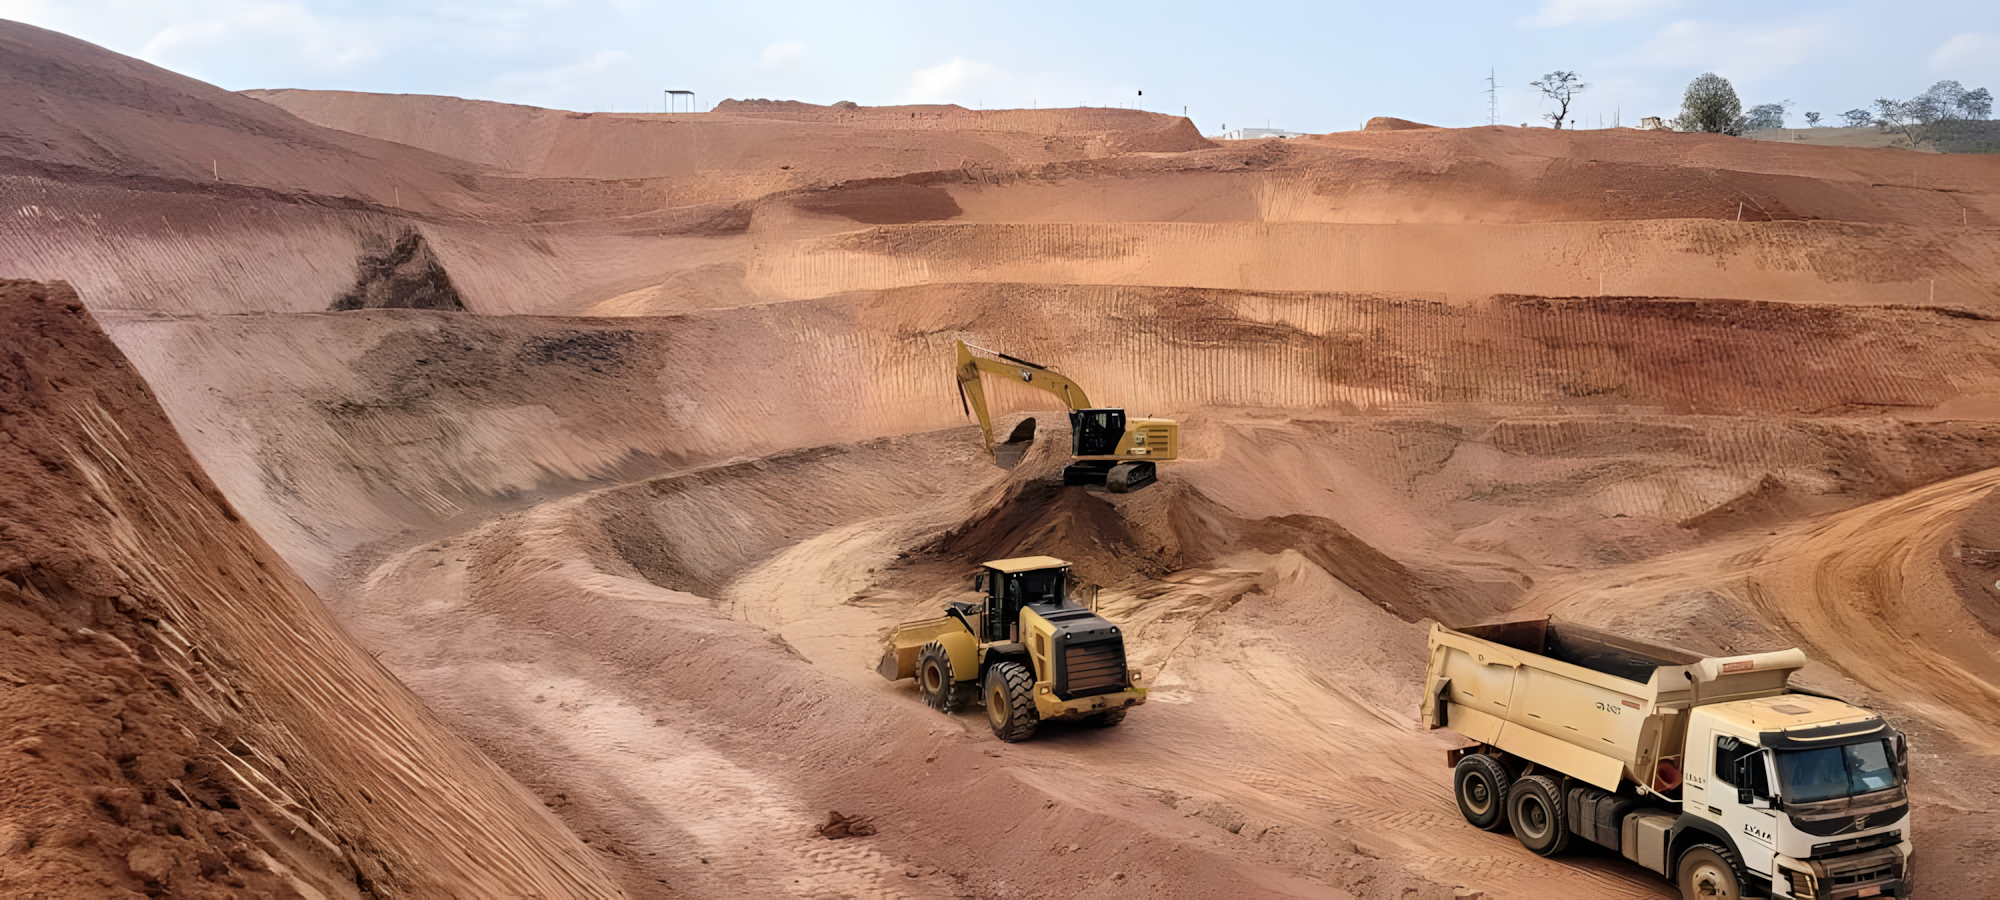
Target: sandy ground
{"x":631,"y":512}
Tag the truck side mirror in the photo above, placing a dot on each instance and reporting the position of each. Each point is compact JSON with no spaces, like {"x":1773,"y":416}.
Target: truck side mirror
{"x":1900,"y":746}
{"x":1751,"y":783}
{"x":979,"y":582}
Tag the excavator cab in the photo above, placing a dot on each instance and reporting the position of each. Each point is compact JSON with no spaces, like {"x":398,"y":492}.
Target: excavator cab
{"x":1095,"y":432}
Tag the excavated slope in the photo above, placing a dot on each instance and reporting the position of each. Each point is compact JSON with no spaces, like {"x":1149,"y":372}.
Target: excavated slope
{"x":181,"y":714}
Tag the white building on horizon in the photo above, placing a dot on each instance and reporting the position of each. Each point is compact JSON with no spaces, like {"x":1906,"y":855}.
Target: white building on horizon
{"x":1251,"y":134}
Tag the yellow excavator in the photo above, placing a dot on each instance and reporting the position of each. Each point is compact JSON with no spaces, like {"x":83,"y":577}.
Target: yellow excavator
{"x":1109,"y":448}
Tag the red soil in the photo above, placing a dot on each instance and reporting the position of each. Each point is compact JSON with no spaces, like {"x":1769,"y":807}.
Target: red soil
{"x":634,"y":520}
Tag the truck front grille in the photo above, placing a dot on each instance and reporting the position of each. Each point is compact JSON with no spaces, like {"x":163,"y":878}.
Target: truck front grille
{"x":1094,"y":668}
{"x":1857,"y":845}
{"x":1844,"y":876}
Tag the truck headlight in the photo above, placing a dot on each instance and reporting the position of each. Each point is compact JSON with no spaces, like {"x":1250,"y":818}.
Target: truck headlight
{"x":1802,"y":885}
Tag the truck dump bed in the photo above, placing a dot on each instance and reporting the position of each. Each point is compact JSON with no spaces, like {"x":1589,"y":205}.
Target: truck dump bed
{"x":1598,"y":707}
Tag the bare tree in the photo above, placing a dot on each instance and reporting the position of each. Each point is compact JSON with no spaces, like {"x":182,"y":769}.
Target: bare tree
{"x":1855,"y":118}
{"x":1812,"y":120}
{"x":1562,"y":87}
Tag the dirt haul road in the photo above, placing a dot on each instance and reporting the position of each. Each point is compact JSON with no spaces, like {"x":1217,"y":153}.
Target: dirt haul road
{"x":619,"y":441}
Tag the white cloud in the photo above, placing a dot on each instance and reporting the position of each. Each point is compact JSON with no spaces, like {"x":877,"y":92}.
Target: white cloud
{"x":1733,"y":50}
{"x":326,"y":44}
{"x":21,"y":10}
{"x":1966,"y":48}
{"x":959,"y":81}
{"x":577,"y":81}
{"x":782,"y":53}
{"x":1569,"y":12}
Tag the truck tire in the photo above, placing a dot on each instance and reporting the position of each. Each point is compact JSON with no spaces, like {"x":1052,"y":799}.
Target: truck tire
{"x":1108,"y":718}
{"x":937,"y":682}
{"x":1708,"y":872}
{"x":1010,"y":701}
{"x":1481,"y":785}
{"x":1535,"y":809}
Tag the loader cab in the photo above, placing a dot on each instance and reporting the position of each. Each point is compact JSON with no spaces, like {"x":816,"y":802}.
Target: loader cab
{"x":1095,"y":432}
{"x":1011,"y":584}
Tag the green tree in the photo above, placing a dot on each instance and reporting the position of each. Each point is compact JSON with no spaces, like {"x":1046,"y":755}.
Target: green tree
{"x":1765,"y":116}
{"x":1562,"y":87}
{"x":1935,"y":113}
{"x":1711,"y":106}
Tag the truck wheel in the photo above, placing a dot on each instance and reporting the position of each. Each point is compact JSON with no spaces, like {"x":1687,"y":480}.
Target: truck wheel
{"x":1708,"y":872}
{"x":1535,"y":808}
{"x":1481,"y":785}
{"x":1107,"y":718}
{"x":1010,"y":701}
{"x":935,"y":680}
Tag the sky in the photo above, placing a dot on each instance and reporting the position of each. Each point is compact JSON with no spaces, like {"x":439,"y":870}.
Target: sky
{"x":1310,"y":67}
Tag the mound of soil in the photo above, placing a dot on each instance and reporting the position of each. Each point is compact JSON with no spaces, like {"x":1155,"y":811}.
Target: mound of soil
{"x":1388,"y":123}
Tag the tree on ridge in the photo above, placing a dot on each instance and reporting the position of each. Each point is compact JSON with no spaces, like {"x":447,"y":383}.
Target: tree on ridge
{"x":1935,"y":113}
{"x":1562,"y":87}
{"x":1711,"y":106}
{"x":1765,"y":116}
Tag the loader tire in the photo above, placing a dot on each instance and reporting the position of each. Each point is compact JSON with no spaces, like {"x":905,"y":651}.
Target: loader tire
{"x":1535,"y":809}
{"x":1107,"y":719}
{"x":937,"y":682}
{"x":1010,"y":701}
{"x":1481,"y":783}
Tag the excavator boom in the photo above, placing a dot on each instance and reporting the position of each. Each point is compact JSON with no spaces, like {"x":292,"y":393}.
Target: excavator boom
{"x":972,"y":392}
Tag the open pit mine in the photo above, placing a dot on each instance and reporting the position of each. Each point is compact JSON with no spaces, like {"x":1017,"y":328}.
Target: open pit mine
{"x":414,"y":497}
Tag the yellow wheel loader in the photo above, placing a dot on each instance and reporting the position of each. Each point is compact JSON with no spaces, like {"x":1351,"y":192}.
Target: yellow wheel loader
{"x":1110,"y":449}
{"x":1024,"y":647}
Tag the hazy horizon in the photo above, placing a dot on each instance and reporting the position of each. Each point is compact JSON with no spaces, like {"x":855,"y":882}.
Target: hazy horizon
{"x":1301,"y":67}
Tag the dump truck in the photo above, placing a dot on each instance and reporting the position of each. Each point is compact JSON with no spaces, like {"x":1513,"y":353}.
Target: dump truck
{"x":1107,"y":447}
{"x":1712,"y":772}
{"x":1024,"y":646}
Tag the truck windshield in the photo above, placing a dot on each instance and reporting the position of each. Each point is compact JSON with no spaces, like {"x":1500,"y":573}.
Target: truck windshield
{"x":1830,"y":773}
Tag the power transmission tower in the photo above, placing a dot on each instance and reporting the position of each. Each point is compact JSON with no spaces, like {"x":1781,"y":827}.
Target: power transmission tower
{"x":1492,"y":99}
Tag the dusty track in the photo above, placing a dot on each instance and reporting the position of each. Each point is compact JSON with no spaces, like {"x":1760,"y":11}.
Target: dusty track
{"x":634,"y":521}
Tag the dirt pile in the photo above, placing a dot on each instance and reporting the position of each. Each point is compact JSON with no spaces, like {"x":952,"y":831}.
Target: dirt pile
{"x":181,"y":715}
{"x":1390,"y":123}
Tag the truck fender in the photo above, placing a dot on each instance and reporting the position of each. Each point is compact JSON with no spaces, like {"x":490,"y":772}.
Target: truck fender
{"x":963,"y":649}
{"x":1690,"y":830}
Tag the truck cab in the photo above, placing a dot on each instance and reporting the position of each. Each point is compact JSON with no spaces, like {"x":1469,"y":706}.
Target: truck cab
{"x":1026,"y":647}
{"x":1811,"y":792}
{"x":1711,"y":771}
